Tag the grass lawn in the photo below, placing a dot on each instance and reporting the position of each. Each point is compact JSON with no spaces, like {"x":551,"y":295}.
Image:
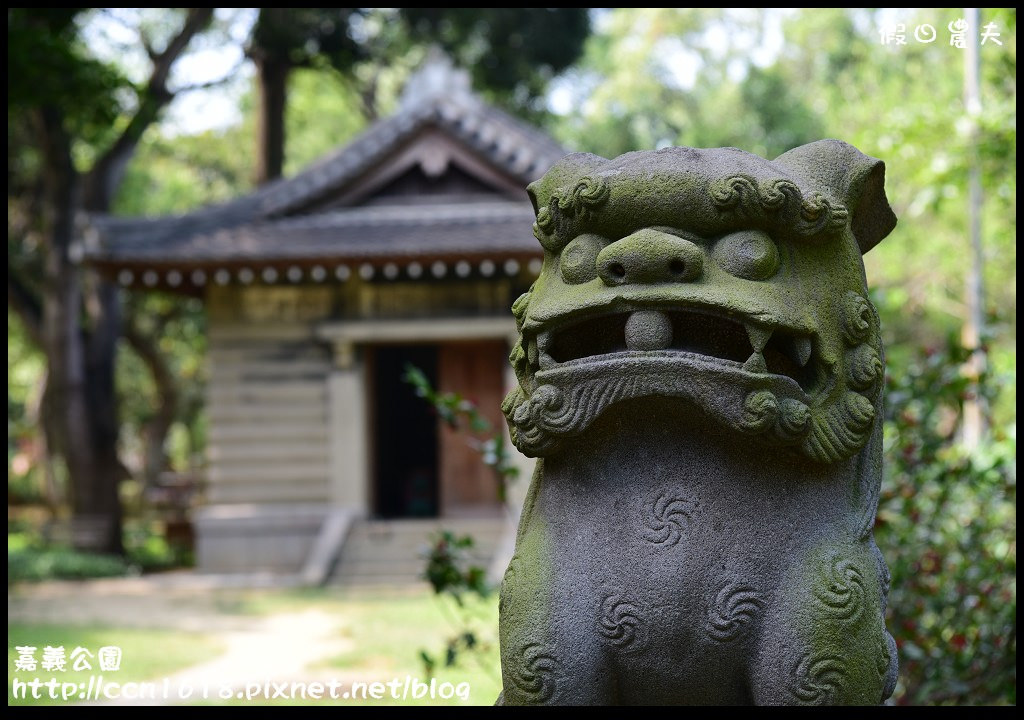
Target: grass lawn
{"x":386,"y":631}
{"x":388,"y":636}
{"x":146,"y":654}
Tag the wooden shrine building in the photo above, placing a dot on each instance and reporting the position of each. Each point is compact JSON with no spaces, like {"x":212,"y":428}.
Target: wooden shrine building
{"x":407,"y":245}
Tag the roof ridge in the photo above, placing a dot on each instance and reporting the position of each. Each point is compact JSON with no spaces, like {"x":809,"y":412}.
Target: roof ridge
{"x":509,"y":144}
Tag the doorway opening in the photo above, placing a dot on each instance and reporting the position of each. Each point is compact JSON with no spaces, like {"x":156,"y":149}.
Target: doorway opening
{"x":405,"y":434}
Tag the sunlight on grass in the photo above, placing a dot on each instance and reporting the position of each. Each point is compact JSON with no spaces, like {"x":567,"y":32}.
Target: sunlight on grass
{"x":388,"y":635}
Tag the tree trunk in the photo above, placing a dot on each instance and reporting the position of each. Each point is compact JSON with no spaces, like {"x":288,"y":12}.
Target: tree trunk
{"x":77,"y":320}
{"x":76,"y":372}
{"x":273,"y":74}
{"x":975,"y":421}
{"x":104,"y":314}
{"x":43,"y":456}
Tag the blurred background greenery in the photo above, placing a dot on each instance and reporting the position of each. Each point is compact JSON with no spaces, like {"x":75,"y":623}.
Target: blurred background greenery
{"x":605,"y":81}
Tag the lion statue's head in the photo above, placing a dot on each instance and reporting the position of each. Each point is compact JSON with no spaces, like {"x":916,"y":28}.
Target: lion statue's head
{"x":715,"y":276}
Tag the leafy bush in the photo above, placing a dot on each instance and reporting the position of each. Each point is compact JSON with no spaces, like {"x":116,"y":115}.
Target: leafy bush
{"x":452,"y":576}
{"x":147,"y":547}
{"x":947,"y":527}
{"x":31,"y":563}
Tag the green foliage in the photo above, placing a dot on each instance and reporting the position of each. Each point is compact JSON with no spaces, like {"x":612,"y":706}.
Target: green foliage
{"x":25,"y":368}
{"x":323,"y":113}
{"x":299,"y":36}
{"x":513,"y":52}
{"x":147,"y":549}
{"x":448,"y":570}
{"x":26,"y":561}
{"x":170,"y":175}
{"x":947,"y":527}
{"x":178,"y":327}
{"x":451,"y":575}
{"x":49,"y":65}
{"x":30,"y":557}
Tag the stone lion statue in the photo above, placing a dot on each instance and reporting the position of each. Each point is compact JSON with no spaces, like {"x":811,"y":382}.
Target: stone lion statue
{"x":700,"y":375}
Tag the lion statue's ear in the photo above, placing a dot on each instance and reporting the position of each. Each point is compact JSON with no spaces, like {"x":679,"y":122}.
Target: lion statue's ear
{"x":848,"y":175}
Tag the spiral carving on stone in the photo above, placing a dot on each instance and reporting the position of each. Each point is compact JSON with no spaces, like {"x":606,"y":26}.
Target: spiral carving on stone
{"x":841,"y":429}
{"x":864,"y":367}
{"x":812,"y":213}
{"x":545,"y":220}
{"x":535,"y":675}
{"x":759,"y":410}
{"x":735,"y":607}
{"x":856,"y":318}
{"x":665,"y":517}
{"x":567,"y":204}
{"x":859,"y":412}
{"x":819,"y":213}
{"x":794,"y":419}
{"x":588,"y":194}
{"x":839,"y":592}
{"x":776,"y":195}
{"x":621,"y":624}
{"x":818,"y":680}
{"x":533,"y":416}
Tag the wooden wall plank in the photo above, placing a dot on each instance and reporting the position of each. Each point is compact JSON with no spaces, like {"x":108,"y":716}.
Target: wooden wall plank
{"x":475,"y":371}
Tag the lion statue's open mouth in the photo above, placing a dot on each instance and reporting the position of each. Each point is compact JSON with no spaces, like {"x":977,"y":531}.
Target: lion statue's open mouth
{"x":721,"y":312}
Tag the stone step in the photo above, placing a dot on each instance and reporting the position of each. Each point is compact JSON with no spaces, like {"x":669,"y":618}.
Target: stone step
{"x":393,"y":552}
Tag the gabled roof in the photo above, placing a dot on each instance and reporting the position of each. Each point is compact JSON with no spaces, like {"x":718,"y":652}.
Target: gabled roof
{"x":321,"y":215}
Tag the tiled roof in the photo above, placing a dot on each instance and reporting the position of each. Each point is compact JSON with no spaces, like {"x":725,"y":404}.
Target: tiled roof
{"x":267,"y":223}
{"x":415,"y":231}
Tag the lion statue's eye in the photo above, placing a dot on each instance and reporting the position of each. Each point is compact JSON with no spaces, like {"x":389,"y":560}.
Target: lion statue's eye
{"x":747,"y":254}
{"x":579,"y":258}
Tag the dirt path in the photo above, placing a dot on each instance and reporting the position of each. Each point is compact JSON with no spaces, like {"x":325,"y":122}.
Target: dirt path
{"x":274,"y":652}
{"x":280,"y":647}
{"x":176,"y":601}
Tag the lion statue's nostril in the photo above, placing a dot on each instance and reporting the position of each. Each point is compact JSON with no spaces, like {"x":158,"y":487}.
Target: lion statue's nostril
{"x":650,"y":256}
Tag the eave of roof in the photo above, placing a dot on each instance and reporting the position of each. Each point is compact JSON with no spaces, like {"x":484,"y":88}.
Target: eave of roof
{"x":259,"y":227}
{"x":371,"y":233}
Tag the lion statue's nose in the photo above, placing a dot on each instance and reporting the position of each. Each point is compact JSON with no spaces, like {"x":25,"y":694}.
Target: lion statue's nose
{"x":650,"y":256}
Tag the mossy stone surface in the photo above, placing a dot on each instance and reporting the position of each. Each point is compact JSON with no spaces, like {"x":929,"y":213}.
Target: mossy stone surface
{"x":700,"y":373}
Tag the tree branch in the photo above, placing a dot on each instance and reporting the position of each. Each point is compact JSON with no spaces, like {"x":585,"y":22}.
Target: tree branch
{"x":106,"y":174}
{"x":197,"y":19}
{"x":212,"y":83}
{"x":146,"y":348}
{"x":147,"y":45}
